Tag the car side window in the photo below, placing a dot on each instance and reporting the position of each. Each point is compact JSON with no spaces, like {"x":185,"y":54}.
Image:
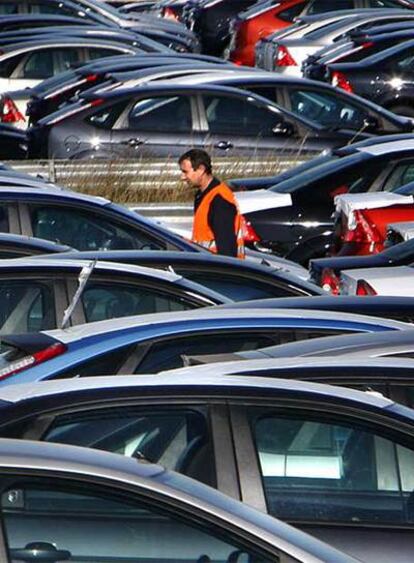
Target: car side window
{"x":327,"y":109}
{"x":86,"y":231}
{"x":401,"y":174}
{"x":176,"y":438}
{"x":92,"y":53}
{"x":4,"y":219}
{"x":106,"y":117}
{"x":38,"y":65}
{"x":78,"y":520}
{"x":162,"y":114}
{"x":332,"y":472}
{"x":107,"y":300}
{"x":235,"y":116}
{"x":169,"y":353}
{"x":9,"y":8}
{"x":406,"y":63}
{"x":26,"y":306}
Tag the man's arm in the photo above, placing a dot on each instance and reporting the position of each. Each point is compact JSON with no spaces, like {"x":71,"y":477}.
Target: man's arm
{"x":221,"y":218}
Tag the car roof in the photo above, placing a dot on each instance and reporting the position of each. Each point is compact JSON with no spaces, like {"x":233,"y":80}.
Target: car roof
{"x":215,"y":315}
{"x":74,"y":461}
{"x":221,"y":378}
{"x":33,"y":242}
{"x":62,"y":41}
{"x":364,"y":345}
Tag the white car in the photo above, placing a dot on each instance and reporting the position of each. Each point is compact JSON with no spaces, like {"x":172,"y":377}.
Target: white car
{"x":378,"y":281}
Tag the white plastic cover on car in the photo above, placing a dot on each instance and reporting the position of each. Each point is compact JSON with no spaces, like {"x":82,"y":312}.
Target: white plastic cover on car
{"x":348,"y":203}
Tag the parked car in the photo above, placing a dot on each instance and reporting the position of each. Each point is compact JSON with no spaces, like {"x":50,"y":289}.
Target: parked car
{"x":361,"y":220}
{"x":285,"y":50}
{"x":350,"y":346}
{"x":398,"y":280}
{"x":23,"y":65}
{"x":358,"y":47}
{"x":326,"y":272}
{"x":211,"y":20}
{"x":264,"y":18}
{"x":18,"y":246}
{"x":383,"y":78}
{"x":310,"y":454}
{"x":237,"y":279}
{"x":47,"y":96}
{"x":164,"y":120}
{"x":171,"y":34}
{"x":13,"y":142}
{"x":38,"y":294}
{"x":142,"y":507}
{"x":305,"y":98}
{"x":82,"y":222}
{"x":152,"y":343}
{"x":301,"y":228}
{"x":389,"y":307}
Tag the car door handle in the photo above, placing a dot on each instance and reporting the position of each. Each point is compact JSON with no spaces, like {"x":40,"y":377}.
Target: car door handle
{"x":133,"y":142}
{"x":223,"y":145}
{"x":40,"y":551}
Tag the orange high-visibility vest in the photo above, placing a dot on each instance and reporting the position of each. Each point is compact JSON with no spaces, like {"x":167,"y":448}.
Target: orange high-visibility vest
{"x":202,"y":233}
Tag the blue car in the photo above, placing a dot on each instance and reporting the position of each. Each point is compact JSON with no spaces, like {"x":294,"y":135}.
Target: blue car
{"x":81,"y":221}
{"x":151,"y":343}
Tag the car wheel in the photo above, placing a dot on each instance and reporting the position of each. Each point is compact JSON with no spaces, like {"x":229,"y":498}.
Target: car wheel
{"x":406,"y":110}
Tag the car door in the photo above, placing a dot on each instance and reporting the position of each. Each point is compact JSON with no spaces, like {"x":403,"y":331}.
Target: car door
{"x":332,"y":473}
{"x":240,"y":126}
{"x":51,"y":515}
{"x":156,"y":126}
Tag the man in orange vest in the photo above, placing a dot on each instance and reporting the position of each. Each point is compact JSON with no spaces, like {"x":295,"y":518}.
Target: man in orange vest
{"x":218,"y":225}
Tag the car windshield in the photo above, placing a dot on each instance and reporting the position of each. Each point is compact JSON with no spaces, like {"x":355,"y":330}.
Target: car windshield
{"x":332,"y":164}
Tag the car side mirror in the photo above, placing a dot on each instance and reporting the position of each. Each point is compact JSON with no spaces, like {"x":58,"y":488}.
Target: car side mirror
{"x":282,"y":128}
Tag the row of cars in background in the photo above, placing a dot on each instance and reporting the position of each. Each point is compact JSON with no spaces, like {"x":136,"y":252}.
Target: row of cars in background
{"x":206,"y":380}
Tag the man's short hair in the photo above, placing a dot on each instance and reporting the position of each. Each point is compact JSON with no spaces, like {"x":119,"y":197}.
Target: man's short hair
{"x":197,"y":157}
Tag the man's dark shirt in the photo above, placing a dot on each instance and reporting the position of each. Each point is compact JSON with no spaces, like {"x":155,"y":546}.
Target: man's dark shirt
{"x":220,"y":218}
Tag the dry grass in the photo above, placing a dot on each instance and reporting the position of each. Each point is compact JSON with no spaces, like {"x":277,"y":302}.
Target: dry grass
{"x":155,"y":181}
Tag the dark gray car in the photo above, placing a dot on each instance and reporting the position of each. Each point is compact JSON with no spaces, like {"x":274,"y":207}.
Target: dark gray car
{"x":334,"y":462}
{"x":163,"y":120}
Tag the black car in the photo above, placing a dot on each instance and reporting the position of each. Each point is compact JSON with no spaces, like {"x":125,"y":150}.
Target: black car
{"x":164,"y":120}
{"x":385,"y":78}
{"x":49,"y":94}
{"x":303,"y":230}
{"x":237,"y":279}
{"x":169,"y":33}
{"x":358,"y":48}
{"x":326,"y":272}
{"x":13,"y":142}
{"x":211,"y":21}
{"x":334,"y":462}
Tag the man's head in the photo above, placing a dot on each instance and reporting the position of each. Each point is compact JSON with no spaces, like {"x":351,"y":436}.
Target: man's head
{"x":195,"y":166}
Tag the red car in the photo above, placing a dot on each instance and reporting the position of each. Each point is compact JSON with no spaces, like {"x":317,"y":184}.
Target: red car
{"x":259,"y":21}
{"x":363,"y":219}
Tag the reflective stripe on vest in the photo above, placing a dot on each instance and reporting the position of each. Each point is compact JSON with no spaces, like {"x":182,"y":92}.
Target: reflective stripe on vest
{"x":202,"y":233}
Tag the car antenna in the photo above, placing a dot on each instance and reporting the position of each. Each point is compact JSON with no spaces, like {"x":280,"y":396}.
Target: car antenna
{"x":82,"y":279}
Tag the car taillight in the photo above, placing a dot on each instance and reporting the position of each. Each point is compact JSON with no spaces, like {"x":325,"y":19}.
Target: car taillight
{"x":10,"y":112}
{"x":91,"y":77}
{"x":364,"y":288}
{"x":330,"y":281}
{"x":364,"y":231}
{"x":284,"y":58}
{"x":169,"y":13}
{"x":339,"y":80}
{"x":249,"y":234}
{"x":33,"y":359}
